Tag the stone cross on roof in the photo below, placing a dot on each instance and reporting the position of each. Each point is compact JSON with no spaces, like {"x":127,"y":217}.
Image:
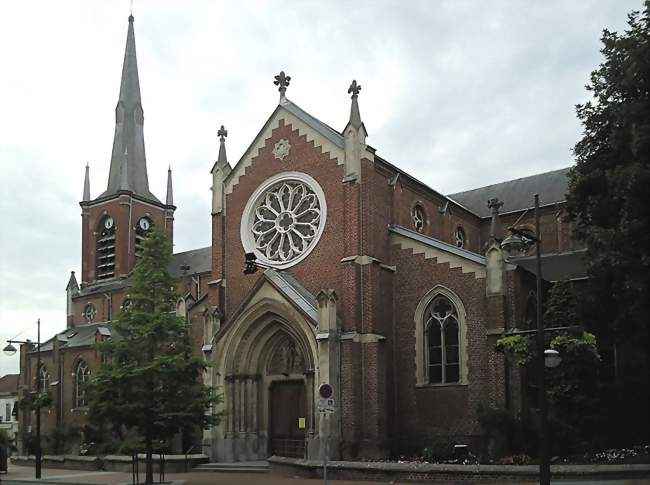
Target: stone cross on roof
{"x":495,"y":204}
{"x":354,"y":88}
{"x":223,"y":133}
{"x":282,"y":81}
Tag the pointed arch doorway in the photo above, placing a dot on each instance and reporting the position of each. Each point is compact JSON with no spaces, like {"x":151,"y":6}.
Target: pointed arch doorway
{"x":288,"y":411}
{"x":267,"y":358}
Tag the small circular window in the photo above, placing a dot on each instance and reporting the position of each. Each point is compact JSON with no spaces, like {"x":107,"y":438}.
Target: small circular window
{"x":459,"y":237}
{"x":418,"y":216}
{"x":90,"y":312}
{"x":284,"y":219}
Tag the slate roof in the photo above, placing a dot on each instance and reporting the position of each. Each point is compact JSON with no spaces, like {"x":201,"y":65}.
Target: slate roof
{"x":103,"y":286}
{"x":79,"y":336}
{"x":199,"y":260}
{"x":436,"y":243}
{"x":293,"y":290}
{"x":569,"y":265}
{"x":517,"y":194}
{"x":9,"y":383}
{"x":327,"y":131}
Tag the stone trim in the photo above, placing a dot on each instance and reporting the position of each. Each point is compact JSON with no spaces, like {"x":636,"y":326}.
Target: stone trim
{"x":466,"y":265}
{"x":281,"y":113}
{"x":363,"y":338}
{"x":365,"y":259}
{"x":247,"y":240}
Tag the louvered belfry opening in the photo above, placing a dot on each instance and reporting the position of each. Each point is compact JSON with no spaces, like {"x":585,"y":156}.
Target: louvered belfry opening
{"x":141,"y":232}
{"x":106,"y":249}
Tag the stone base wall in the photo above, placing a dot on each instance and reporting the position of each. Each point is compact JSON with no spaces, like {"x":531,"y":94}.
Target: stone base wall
{"x":434,"y":473}
{"x":116,"y":463}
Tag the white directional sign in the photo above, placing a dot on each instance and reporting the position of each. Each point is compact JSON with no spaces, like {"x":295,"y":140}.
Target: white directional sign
{"x":326,"y":406}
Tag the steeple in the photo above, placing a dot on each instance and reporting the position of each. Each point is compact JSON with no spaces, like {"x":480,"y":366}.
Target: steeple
{"x":128,"y":170}
{"x":169,"y":200}
{"x":86,"y":196}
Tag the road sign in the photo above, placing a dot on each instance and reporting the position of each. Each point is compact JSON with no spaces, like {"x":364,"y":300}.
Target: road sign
{"x":325,"y":391}
{"x":326,"y":406}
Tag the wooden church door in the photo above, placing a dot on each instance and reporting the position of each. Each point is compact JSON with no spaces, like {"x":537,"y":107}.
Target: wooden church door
{"x":288,"y":418}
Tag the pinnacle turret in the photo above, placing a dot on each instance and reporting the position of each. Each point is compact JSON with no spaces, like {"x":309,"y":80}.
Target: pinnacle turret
{"x":354,"y":136}
{"x":355,"y":115}
{"x":496,"y":232}
{"x":169,"y":200}
{"x":86,"y":195}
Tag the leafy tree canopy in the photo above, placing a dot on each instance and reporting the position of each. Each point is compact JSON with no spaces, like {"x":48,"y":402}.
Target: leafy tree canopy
{"x":609,"y":185}
{"x":150,"y":383}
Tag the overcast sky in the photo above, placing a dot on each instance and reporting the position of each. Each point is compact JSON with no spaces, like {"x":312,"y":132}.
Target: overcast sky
{"x":460,"y":94}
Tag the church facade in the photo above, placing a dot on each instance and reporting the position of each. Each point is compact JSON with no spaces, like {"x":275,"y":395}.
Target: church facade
{"x":358,"y":276}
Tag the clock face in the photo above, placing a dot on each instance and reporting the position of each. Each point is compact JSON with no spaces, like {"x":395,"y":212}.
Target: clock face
{"x":108,"y":223}
{"x":144,"y":224}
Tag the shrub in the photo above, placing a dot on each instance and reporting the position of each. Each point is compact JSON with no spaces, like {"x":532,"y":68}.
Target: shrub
{"x":440,"y":449}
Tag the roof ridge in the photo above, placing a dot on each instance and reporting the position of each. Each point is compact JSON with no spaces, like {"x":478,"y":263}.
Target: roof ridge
{"x":483,"y":187}
{"x":190,"y":250}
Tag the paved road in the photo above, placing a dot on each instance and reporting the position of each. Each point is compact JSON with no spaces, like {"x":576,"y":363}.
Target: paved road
{"x":22,"y":475}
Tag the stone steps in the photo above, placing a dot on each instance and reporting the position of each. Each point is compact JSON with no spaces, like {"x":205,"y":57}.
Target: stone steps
{"x":234,"y":467}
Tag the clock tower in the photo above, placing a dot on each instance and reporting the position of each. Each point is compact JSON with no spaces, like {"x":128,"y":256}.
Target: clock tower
{"x":115,"y":223}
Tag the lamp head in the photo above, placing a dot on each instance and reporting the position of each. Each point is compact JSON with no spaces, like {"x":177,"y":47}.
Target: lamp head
{"x":552,"y":358}
{"x":10,"y":350}
{"x":513,"y":244}
{"x":250,"y":263}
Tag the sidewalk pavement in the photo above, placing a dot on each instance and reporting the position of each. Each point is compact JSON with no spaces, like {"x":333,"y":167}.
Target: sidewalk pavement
{"x":23,"y":475}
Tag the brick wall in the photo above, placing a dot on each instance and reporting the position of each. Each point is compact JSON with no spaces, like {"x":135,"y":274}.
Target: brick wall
{"x":421,"y":413}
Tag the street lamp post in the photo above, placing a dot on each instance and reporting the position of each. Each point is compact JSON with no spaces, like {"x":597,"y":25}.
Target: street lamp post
{"x":11,"y":350}
{"x":518,"y":240}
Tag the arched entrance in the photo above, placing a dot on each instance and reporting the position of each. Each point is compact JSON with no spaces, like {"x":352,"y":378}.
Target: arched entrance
{"x":264,"y":364}
{"x":288,"y":411}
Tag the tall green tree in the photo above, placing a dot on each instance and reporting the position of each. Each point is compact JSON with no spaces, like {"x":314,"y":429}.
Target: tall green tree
{"x":150,"y":384}
{"x":608,"y":203}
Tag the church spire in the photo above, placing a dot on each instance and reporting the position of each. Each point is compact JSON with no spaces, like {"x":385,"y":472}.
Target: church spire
{"x":86,"y":196}
{"x":128,"y":162}
{"x":169,"y":200}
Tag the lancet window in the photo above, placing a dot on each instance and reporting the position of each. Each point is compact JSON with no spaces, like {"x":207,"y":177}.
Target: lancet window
{"x":442,"y":332}
{"x":82,"y":375}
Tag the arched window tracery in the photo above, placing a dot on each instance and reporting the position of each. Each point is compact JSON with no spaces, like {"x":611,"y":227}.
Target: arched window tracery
{"x":442,"y":337}
{"x":44,"y":377}
{"x":81,"y":377}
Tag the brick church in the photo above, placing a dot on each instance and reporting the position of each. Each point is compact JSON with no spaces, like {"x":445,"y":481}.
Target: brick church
{"x":368,"y":280}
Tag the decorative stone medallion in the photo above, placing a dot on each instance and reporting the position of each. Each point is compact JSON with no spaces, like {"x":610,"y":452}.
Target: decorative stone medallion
{"x":281,"y":149}
{"x":284,"y":219}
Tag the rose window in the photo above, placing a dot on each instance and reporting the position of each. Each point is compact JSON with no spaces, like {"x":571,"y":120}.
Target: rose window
{"x":284,"y":219}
